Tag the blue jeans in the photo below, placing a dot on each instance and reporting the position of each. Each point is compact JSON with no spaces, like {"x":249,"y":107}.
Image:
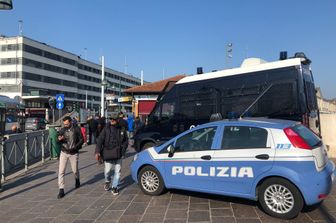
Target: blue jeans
{"x":108,"y":172}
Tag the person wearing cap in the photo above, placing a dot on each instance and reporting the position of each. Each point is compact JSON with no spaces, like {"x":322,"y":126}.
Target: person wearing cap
{"x":111,"y":147}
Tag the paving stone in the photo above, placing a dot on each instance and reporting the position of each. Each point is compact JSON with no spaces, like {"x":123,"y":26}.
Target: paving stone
{"x":53,"y":212}
{"x":136,"y":209}
{"x":64,"y":218}
{"x":223,"y":212}
{"x":223,"y":219}
{"x":152,"y":218}
{"x":110,"y":216}
{"x":265,"y":218}
{"x":178,"y":205}
{"x":75,"y":209}
{"x":176,"y":214}
{"x":21,"y":218}
{"x":142,"y":198}
{"x":16,"y":211}
{"x":41,"y":220}
{"x":199,"y":207}
{"x":198,"y":216}
{"x":219,"y":204}
{"x":83,"y":221}
{"x":159,"y":202}
{"x":118,"y":206}
{"x":179,"y":197}
{"x":129,"y":218}
{"x":198,"y":200}
{"x":244,"y":211}
{"x":156,"y":210}
{"x":89,"y":214}
{"x":247,"y":220}
{"x":301,"y":218}
{"x":101,"y":204}
{"x":125,"y":197}
{"x":175,"y":221}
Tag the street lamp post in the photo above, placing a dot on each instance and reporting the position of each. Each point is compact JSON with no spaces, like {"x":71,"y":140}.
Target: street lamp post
{"x":103,"y":83}
{"x":119,"y":93}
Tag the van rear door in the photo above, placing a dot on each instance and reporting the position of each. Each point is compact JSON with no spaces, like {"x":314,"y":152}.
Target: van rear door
{"x":310,"y":92}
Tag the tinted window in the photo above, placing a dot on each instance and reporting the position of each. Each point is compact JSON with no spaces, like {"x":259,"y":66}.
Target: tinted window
{"x":243,"y":137}
{"x":197,"y":140}
{"x":307,"y":135}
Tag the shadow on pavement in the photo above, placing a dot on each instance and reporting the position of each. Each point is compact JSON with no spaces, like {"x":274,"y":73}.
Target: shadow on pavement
{"x":215,"y":197}
{"x":31,"y":187}
{"x":125,"y":182}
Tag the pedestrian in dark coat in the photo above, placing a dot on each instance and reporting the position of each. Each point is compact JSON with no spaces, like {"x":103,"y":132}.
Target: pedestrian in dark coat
{"x":111,"y":147}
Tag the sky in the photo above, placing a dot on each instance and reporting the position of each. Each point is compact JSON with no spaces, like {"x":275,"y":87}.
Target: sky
{"x":169,"y":37}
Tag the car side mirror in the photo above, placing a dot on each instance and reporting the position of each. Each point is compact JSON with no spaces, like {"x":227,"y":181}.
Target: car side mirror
{"x":171,"y":150}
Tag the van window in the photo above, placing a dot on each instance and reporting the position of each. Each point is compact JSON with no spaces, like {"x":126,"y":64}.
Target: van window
{"x":243,"y":137}
{"x":168,"y":109}
{"x":197,"y":140}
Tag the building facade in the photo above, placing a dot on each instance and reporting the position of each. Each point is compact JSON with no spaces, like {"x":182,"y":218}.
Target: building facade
{"x":33,"y":71}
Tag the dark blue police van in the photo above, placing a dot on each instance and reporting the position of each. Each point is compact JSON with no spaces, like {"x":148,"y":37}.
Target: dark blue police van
{"x":282,"y":89}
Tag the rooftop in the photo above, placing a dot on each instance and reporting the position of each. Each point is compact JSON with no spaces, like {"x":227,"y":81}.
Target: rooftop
{"x":155,"y":87}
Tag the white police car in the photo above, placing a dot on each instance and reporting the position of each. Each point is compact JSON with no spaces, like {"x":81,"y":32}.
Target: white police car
{"x":282,"y":164}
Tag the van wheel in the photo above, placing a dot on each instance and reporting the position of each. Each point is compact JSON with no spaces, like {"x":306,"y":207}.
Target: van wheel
{"x":147,"y":145}
{"x":150,"y":181}
{"x":280,"y":198}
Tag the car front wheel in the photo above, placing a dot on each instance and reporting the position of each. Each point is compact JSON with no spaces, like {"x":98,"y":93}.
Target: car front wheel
{"x":150,"y":181}
{"x":280,"y":198}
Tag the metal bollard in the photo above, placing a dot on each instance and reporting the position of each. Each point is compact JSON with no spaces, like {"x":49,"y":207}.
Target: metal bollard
{"x":2,"y":159}
{"x":42,"y":147}
{"x":26,"y":152}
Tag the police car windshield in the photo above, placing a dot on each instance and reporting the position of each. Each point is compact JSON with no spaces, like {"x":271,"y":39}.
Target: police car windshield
{"x":310,"y":138}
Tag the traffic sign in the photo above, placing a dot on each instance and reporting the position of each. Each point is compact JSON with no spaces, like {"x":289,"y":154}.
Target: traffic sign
{"x":59,"y":105}
{"x":60,"y":98}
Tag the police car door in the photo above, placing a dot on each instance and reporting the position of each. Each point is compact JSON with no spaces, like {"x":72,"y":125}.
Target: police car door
{"x":245,"y":153}
{"x":188,"y":168}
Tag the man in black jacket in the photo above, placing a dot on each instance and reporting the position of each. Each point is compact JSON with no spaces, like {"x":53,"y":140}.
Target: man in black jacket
{"x":111,"y":147}
{"x":71,"y":140}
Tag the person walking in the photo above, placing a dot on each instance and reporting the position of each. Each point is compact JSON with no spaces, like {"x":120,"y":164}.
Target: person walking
{"x":137,"y":125}
{"x":71,"y":140}
{"x":130,"y":125}
{"x":122,"y":122}
{"x":93,"y":124}
{"x":83,"y":130}
{"x":111,"y":147}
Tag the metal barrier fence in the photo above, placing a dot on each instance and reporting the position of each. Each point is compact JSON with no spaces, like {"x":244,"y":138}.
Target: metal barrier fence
{"x":19,"y":151}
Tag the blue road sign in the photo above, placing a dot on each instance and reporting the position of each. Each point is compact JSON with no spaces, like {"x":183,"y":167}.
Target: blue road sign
{"x":59,"y":105}
{"x":60,"y":98}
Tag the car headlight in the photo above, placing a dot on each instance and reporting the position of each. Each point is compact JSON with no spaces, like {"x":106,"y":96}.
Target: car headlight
{"x":135,"y":157}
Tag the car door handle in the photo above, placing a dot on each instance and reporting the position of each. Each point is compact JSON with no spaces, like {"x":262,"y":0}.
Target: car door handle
{"x":206,"y":157}
{"x":262,"y":156}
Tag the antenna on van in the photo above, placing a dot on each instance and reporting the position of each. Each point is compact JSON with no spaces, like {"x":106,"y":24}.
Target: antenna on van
{"x":255,"y":101}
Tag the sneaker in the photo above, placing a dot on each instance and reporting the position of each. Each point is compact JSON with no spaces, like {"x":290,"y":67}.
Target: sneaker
{"x":60,"y":194}
{"x":77,"y":185}
{"x":115,"y":191}
{"x":107,"y":186}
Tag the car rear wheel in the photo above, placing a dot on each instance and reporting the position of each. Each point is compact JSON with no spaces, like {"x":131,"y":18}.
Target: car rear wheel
{"x":150,"y":181}
{"x":280,"y":198}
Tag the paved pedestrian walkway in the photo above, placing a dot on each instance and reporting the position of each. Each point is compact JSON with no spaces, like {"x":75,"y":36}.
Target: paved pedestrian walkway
{"x":32,"y":198}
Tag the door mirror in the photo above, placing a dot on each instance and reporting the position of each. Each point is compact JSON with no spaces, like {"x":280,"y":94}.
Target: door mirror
{"x":171,"y":150}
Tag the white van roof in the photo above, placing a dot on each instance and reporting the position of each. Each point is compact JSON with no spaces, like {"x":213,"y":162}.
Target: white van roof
{"x":242,"y":70}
